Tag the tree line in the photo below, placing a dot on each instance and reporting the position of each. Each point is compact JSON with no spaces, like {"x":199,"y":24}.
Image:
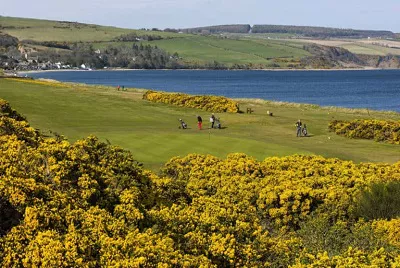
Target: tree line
{"x":234,"y":28}
{"x":133,"y":57}
{"x":320,"y":32}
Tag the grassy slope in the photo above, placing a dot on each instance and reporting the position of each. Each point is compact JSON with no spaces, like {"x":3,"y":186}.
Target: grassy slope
{"x":200,"y":49}
{"x":193,"y":49}
{"x":46,"y":30}
{"x":151,"y":131}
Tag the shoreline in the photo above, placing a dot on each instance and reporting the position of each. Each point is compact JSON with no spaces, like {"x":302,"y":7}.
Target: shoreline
{"x":267,"y":70}
{"x":363,"y":110}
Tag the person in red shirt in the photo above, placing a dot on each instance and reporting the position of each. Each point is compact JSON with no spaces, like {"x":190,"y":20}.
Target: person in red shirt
{"x":199,"y":122}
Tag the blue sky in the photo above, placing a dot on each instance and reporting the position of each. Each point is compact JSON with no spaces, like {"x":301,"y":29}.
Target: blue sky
{"x":366,"y":14}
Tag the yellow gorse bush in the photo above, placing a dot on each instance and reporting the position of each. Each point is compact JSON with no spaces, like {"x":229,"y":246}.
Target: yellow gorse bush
{"x":208,"y":103}
{"x":378,"y":130}
{"x":389,"y":229}
{"x":50,"y":83}
{"x":89,"y":204}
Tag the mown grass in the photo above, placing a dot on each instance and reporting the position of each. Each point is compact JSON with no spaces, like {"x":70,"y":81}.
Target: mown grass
{"x":151,"y":130}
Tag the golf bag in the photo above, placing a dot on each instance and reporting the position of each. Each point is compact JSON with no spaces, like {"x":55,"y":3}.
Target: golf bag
{"x":304,"y":130}
{"x":183,"y":124}
{"x":217,"y":123}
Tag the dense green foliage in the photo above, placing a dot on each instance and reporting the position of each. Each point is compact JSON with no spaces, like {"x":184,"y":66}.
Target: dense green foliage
{"x":135,"y":56}
{"x":324,"y":32}
{"x":7,"y":40}
{"x":140,"y":57}
{"x":50,"y":44}
{"x":380,"y":201}
{"x":378,"y":130}
{"x":136,"y":37}
{"x":208,"y":103}
{"x":235,"y":28}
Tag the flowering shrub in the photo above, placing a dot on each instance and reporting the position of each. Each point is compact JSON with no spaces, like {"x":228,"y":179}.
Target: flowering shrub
{"x":51,"y":83}
{"x":390,"y":229}
{"x":90,"y":204}
{"x":208,"y":103}
{"x":378,"y":130}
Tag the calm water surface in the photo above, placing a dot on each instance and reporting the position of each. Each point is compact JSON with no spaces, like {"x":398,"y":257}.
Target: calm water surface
{"x":374,"y":89}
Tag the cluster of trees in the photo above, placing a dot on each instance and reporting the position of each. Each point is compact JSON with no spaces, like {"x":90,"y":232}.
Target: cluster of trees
{"x":9,"y":53}
{"x":78,"y":53}
{"x":140,"y":57}
{"x":136,"y":37}
{"x":234,"y":28}
{"x":7,"y":40}
{"x":135,"y":57}
{"x":90,"y":204}
{"x":52,"y":44}
{"x":307,"y":31}
{"x":320,"y":32}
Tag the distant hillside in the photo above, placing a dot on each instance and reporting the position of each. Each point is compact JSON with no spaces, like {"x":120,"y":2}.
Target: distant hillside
{"x":31,"y":44}
{"x":305,"y":31}
{"x":47,"y":30}
{"x":233,"y":28}
{"x":321,"y":32}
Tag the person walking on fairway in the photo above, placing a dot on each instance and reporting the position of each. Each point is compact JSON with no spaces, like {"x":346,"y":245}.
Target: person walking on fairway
{"x":199,"y":122}
{"x":298,"y":126}
{"x":212,"y":120}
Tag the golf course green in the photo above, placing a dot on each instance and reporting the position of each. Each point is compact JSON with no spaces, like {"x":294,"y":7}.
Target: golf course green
{"x":151,"y":130}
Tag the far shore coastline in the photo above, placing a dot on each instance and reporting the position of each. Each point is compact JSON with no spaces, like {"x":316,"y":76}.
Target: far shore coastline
{"x":270,"y":69}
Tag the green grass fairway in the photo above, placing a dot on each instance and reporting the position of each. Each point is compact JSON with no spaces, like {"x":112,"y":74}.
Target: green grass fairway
{"x":151,"y":130}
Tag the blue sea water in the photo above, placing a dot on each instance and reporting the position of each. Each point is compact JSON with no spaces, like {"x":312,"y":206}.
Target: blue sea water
{"x":373,"y":89}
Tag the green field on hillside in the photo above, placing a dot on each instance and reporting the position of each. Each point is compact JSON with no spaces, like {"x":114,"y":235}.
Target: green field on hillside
{"x":151,"y":130}
{"x":369,"y":49}
{"x":46,"y":30}
{"x":356,"y":46}
{"x":206,"y":49}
